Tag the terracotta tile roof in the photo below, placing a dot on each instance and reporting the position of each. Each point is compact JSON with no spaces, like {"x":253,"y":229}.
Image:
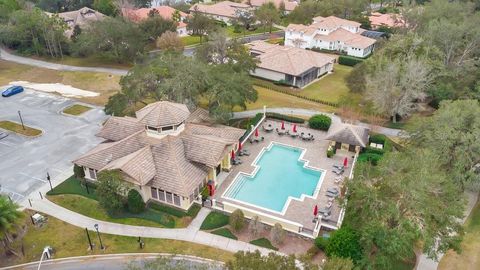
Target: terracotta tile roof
{"x":224,"y":8}
{"x":289,"y":5}
{"x":174,"y":172}
{"x":348,"y":134}
{"x":349,"y":38}
{"x":140,"y":14}
{"x":332,"y":22}
{"x":290,"y":60}
{"x":117,"y":128}
{"x":163,"y":113}
{"x":391,"y":20}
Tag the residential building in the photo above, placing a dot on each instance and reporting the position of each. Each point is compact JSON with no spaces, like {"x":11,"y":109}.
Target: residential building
{"x":330,"y":33}
{"x":289,"y":5}
{"x":166,"y":12}
{"x":291,"y":65}
{"x":224,"y":11}
{"x":387,"y":20}
{"x":81,"y":18}
{"x":167,"y":153}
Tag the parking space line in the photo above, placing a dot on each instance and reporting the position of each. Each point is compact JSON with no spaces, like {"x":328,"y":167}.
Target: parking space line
{"x":7,"y":144}
{"x":36,"y":178}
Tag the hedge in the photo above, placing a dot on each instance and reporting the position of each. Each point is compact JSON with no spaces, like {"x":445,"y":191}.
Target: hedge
{"x":321,"y":242}
{"x":349,"y":60}
{"x":284,"y":117}
{"x":370,"y":157}
{"x":320,"y":121}
{"x":285,"y":91}
{"x":378,"y":138}
{"x":372,"y":150}
{"x":135,"y":202}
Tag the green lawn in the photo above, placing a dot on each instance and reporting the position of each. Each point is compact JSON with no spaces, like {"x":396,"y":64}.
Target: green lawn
{"x":230,"y":31}
{"x":72,"y":194}
{"x":17,"y":128}
{"x":190,"y":40}
{"x":69,"y":240}
{"x":225,"y":233}
{"x":76,"y":109}
{"x":263,"y":242}
{"x":214,"y":220}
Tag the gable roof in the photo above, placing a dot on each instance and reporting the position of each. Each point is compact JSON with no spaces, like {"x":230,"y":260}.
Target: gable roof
{"x":205,"y":149}
{"x":140,"y":14}
{"x":117,"y":128}
{"x":332,"y":22}
{"x":224,"y":8}
{"x":348,"y":134}
{"x":389,"y":19}
{"x":81,"y":17}
{"x":289,"y":60}
{"x":163,"y":113}
{"x":289,"y":5}
{"x":347,"y":37}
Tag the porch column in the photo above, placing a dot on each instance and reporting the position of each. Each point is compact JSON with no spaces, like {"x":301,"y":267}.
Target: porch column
{"x":294,"y":80}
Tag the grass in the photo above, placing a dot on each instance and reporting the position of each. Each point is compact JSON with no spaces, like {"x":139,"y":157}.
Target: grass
{"x":214,"y":220}
{"x":90,"y":61}
{"x":17,"y":128}
{"x":102,"y":83}
{"x":331,"y":87}
{"x":190,"y":40}
{"x":76,"y":109}
{"x":230,"y":31}
{"x":69,"y":240}
{"x":225,"y":233}
{"x":469,"y":258}
{"x":73,"y":195}
{"x":263,"y":242}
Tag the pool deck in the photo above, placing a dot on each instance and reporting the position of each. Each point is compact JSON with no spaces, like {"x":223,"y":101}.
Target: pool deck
{"x":297,"y":211}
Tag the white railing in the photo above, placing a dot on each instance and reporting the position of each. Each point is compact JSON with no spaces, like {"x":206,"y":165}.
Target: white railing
{"x":350,"y":177}
{"x":253,"y":128}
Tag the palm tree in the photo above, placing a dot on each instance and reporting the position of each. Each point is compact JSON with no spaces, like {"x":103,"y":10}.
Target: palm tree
{"x":9,"y":217}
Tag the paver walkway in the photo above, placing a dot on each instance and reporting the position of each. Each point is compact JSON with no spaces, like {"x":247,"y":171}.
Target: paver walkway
{"x":190,"y":234}
{"x":308,"y":113}
{"x":48,"y":65}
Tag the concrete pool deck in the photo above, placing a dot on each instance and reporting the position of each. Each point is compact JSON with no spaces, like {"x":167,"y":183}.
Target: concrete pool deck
{"x":298,"y":212}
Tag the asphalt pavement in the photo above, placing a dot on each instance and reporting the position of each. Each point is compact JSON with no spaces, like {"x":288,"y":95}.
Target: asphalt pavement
{"x":24,"y":162}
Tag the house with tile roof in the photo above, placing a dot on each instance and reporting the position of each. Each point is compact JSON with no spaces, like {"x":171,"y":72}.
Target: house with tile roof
{"x":224,"y":11}
{"x":291,"y":65}
{"x":166,"y":12}
{"x":167,"y":153}
{"x":330,"y":33}
{"x":378,"y":19}
{"x":289,"y":4}
{"x":82,"y":18}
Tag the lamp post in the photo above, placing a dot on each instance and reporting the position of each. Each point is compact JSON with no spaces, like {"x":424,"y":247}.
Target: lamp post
{"x":99,"y":238}
{"x":50,"y":182}
{"x":21,"y":119}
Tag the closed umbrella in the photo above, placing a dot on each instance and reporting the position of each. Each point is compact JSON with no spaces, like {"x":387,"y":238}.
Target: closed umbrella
{"x":239,"y":146}
{"x":315,"y":210}
{"x":294,"y":128}
{"x":233,"y":154}
{"x":345,"y":162}
{"x":211,"y":190}
{"x":283,"y":125}
{"x":256,"y":132}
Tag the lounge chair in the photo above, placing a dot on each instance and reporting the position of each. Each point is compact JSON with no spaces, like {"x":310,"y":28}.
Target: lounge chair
{"x":236,"y":161}
{"x":243,"y":153}
{"x":331,"y":195}
{"x":337,"y":171}
{"x":340,"y":167}
{"x":333,"y":190}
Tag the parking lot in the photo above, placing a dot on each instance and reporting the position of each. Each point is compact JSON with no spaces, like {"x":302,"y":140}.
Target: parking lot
{"x":24,"y":162}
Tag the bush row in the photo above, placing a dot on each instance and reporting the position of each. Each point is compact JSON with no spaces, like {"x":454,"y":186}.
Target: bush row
{"x":278,"y":89}
{"x":284,"y":117}
{"x":320,"y":121}
{"x":252,"y":122}
{"x":378,"y":138}
{"x":370,"y":157}
{"x":349,"y":60}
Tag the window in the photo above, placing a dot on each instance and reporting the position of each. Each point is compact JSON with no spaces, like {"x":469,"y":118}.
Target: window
{"x":169,"y":197}
{"x":154,"y":193}
{"x":152,"y":128}
{"x":191,"y":198}
{"x":92,"y":173}
{"x":176,"y":199}
{"x":167,"y":128}
{"x":161,"y":195}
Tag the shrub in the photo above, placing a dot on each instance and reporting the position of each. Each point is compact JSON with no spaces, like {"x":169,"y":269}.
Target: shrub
{"x":376,"y":151}
{"x":110,"y":190}
{"x":331,"y":151}
{"x":287,"y":118}
{"x":254,"y":226}
{"x":320,"y":121}
{"x":78,"y":171}
{"x":321,"y":243}
{"x":370,"y":157}
{"x":378,"y":138}
{"x":135,"y":202}
{"x":277,"y":234}
{"x":349,"y":60}
{"x":344,"y":243}
{"x":282,"y":82}
{"x":236,"y":220}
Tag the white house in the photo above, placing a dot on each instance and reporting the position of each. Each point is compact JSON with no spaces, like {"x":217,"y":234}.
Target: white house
{"x":294,"y":66}
{"x":330,"y":33}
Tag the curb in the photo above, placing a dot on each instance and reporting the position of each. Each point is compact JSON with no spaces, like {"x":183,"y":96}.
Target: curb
{"x":22,"y":135}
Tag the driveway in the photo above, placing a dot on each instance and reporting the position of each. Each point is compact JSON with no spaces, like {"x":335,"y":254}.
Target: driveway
{"x":24,"y":162}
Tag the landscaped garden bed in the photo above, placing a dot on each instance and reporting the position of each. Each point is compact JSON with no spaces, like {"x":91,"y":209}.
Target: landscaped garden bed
{"x":18,"y":128}
{"x":76,"y":109}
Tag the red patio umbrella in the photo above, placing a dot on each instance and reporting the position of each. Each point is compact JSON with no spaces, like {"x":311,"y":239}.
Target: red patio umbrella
{"x":239,"y":146}
{"x":256,"y":132}
{"x":233,"y":154}
{"x":294,"y":127}
{"x":283,"y":125}
{"x":315,"y":210}
{"x":345,"y":162}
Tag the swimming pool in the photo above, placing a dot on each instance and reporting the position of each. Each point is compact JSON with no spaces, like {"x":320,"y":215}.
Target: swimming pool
{"x":280,"y":175}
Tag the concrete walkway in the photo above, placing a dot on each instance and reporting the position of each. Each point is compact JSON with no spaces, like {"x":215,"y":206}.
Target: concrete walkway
{"x":190,"y":234}
{"x":308,"y":113}
{"x":48,"y":65}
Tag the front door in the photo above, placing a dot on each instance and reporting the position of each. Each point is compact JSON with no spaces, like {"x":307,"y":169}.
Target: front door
{"x":218,"y":169}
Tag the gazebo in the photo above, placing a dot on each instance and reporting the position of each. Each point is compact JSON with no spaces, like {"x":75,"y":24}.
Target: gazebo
{"x":348,"y":137}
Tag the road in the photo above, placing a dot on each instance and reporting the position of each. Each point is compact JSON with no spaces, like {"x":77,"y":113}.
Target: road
{"x":24,"y":161}
{"x":44,"y":64}
{"x":116,"y":261}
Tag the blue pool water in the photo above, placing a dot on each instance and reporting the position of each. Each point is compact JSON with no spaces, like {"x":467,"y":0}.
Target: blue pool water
{"x":280,"y":175}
